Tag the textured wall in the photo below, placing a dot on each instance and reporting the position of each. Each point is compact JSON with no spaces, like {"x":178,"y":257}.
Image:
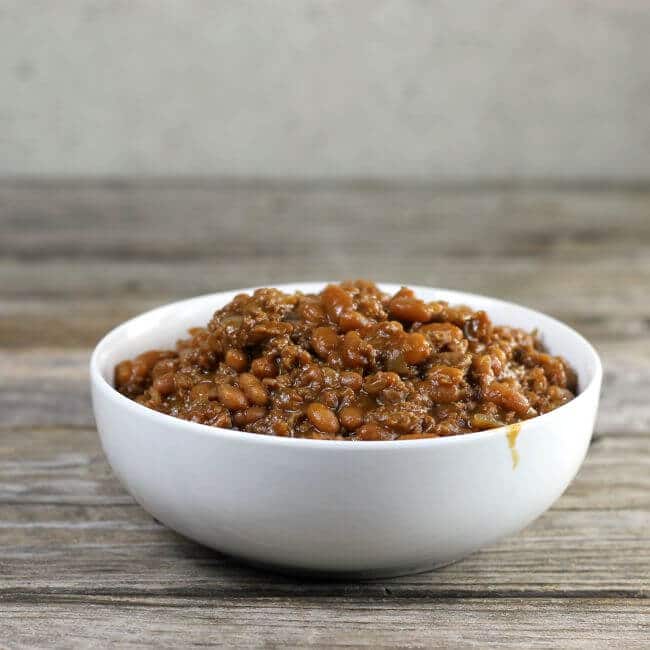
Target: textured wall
{"x":442,"y":90}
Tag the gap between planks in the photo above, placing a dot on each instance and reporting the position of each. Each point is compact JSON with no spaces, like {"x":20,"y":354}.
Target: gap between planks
{"x":197,"y":597}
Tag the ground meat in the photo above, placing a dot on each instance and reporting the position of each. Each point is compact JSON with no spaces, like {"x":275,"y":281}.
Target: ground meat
{"x":350,"y":363}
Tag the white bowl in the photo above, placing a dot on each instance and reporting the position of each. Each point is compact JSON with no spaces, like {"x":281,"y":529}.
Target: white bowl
{"x":366,"y":509}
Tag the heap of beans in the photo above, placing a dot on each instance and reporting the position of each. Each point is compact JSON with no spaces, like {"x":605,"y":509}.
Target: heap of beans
{"x":350,"y":363}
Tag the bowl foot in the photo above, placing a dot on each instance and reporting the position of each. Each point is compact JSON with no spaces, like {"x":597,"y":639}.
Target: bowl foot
{"x":345,"y":575}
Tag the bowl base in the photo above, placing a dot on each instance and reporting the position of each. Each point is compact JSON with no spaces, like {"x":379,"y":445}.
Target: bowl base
{"x":345,"y":575}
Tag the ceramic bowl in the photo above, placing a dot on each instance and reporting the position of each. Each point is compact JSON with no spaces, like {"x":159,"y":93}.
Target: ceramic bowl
{"x":346,"y":509}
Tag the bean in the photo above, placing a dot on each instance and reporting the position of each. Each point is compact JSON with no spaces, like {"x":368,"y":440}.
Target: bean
{"x":215,"y":344}
{"x":204,"y":390}
{"x":236,"y":359}
{"x":324,"y":340}
{"x":200,"y":337}
{"x":153,"y":356}
{"x":458,"y":314}
{"x":537,"y":380}
{"x":213,"y":414}
{"x":268,"y":330}
{"x":378,"y":381}
{"x":336,"y":300}
{"x":406,"y":307}
{"x":351,"y":417}
{"x":442,"y":335}
{"x":311,"y":376}
{"x":445,"y":384}
{"x":553,"y":369}
{"x":253,"y":388}
{"x":232,"y":323}
{"x":312,"y":312}
{"x":164,"y":366}
{"x":508,"y":397}
{"x":352,"y":320}
{"x":416,"y":348}
{"x":231,"y":397}
{"x":144,"y":362}
{"x":371,"y":431}
{"x":249,"y":415}
{"x":483,"y":421}
{"x":355,"y":352}
{"x":165,"y":384}
{"x":222,"y":420}
{"x":263,"y":367}
{"x":281,"y":429}
{"x":329,"y":398}
{"x":123,"y":372}
{"x":351,"y":380}
{"x":322,"y":418}
{"x":559,"y":395}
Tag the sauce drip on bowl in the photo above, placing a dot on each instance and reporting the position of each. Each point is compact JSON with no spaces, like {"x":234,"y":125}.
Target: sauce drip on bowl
{"x":512,"y":433}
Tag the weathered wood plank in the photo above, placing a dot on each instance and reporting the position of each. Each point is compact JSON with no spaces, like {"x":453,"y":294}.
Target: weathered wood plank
{"x":123,"y":220}
{"x":120,"y":550}
{"x":338,"y":622}
{"x":54,"y":466}
{"x":63,"y":400}
{"x":63,"y":394}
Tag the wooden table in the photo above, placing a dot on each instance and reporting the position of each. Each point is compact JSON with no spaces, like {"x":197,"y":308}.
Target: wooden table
{"x":81,"y":564}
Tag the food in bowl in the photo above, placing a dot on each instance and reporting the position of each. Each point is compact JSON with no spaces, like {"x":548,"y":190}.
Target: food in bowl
{"x":336,"y":508}
{"x":350,"y":363}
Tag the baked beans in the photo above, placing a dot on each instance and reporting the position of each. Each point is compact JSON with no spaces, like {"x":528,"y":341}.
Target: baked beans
{"x":350,"y":363}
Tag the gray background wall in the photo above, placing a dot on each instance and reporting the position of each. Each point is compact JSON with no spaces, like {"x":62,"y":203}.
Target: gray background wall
{"x":365,"y":88}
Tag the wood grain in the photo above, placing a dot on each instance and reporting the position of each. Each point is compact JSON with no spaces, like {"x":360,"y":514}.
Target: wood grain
{"x":327,"y":622}
{"x":215,"y":219}
{"x":82,"y":565}
{"x":118,"y":550}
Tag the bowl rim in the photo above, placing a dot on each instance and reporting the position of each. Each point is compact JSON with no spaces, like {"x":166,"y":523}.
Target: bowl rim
{"x":120,"y":401}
